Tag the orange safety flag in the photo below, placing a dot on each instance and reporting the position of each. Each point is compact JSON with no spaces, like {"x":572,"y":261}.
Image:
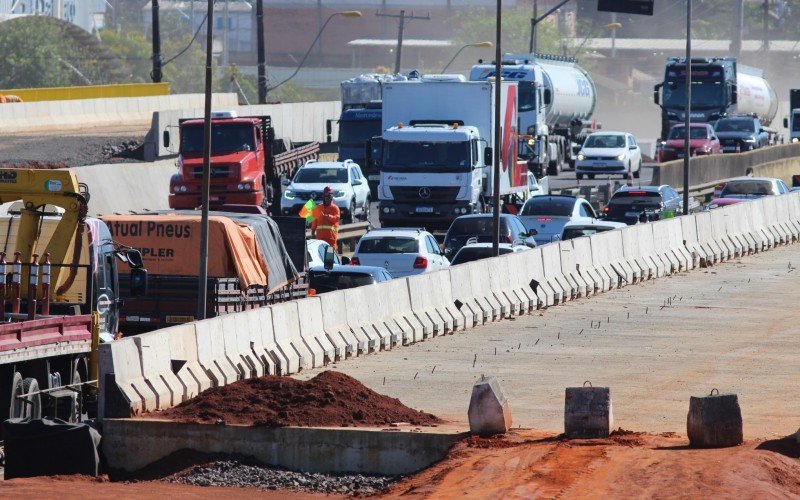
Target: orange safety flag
{"x":307,"y":210}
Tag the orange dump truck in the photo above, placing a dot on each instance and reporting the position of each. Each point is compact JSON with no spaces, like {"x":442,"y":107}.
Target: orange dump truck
{"x":246,"y":269}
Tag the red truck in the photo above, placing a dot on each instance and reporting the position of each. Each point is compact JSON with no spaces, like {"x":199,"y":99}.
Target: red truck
{"x":247,"y":162}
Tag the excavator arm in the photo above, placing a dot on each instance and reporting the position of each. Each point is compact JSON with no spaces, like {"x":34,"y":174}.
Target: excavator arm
{"x":37,"y":188}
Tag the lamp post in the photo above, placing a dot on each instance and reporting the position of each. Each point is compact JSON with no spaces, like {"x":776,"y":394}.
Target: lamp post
{"x":613,"y":26}
{"x":345,"y":13}
{"x":476,"y":45}
{"x":687,"y":108}
{"x":498,"y":70}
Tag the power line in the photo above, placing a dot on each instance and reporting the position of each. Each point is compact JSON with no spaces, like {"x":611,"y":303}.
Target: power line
{"x":190,"y":41}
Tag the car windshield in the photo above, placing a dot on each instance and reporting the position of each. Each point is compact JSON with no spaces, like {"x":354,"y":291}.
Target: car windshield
{"x":796,"y":123}
{"x":390,"y":244}
{"x":322,"y":281}
{"x":225,"y":138}
{"x":474,"y":226}
{"x":707,"y":91}
{"x":605,"y":141}
{"x":541,"y":205}
{"x":428,"y":156}
{"x":750,"y":188}
{"x":735,"y":126}
{"x":321,"y":176}
{"x":469,"y":254}
{"x":694,"y":133}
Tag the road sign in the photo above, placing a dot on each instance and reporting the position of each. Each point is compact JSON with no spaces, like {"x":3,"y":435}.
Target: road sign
{"x":643,"y":7}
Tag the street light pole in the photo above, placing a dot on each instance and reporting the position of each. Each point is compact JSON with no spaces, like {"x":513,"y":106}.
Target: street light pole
{"x":498,"y":71}
{"x":202,"y":284}
{"x":156,"y":74}
{"x":477,"y":44}
{"x":536,"y":20}
{"x":687,"y":107}
{"x":403,"y":18}
{"x":346,"y":13}
{"x":262,"y":56}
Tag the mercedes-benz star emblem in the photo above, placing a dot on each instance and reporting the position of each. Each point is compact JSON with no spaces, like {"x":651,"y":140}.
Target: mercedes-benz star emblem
{"x":425,"y":193}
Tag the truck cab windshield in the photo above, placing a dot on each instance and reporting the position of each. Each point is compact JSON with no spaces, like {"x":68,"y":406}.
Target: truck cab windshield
{"x":225,"y":138}
{"x":357,"y":133}
{"x":427,"y":156}
{"x":706,"y":93}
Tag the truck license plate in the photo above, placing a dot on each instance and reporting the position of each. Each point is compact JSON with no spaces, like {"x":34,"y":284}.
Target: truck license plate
{"x":631,"y":214}
{"x":599,"y":164}
{"x":424,"y":210}
{"x":729,"y":148}
{"x":374,"y":177}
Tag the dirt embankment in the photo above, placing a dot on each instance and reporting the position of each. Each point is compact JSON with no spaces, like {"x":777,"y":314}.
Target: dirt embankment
{"x":527,"y":464}
{"x":331,"y":399}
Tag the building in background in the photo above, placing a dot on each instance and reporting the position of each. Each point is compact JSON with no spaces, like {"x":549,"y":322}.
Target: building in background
{"x":87,"y":14}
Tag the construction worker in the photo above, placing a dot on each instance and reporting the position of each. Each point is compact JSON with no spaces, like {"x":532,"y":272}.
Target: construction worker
{"x":325,"y":223}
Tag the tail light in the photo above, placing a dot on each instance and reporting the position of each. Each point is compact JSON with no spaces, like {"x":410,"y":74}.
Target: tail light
{"x":509,"y":239}
{"x":420,"y":263}
{"x":355,"y":262}
{"x":606,"y":209}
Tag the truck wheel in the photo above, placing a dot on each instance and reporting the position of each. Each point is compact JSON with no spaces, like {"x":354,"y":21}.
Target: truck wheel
{"x":638,"y":171}
{"x":579,"y":176}
{"x":350,"y":217}
{"x":17,"y":407}
{"x":591,"y":176}
{"x":76,"y":407}
{"x":33,"y":408}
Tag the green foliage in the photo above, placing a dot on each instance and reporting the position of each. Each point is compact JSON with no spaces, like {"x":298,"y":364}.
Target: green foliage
{"x":478,"y":24}
{"x":37,"y":53}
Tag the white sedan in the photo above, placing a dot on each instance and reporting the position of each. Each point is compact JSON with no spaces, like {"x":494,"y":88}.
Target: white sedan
{"x":609,"y":153}
{"x":400,"y":251}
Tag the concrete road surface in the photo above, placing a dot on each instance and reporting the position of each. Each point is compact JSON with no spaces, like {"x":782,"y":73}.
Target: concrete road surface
{"x":732,"y":327}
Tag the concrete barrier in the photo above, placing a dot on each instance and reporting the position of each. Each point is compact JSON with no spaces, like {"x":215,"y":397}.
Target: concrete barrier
{"x":286,"y":326}
{"x":760,"y":224}
{"x":334,"y":322}
{"x":489,"y":413}
{"x":597,"y":280}
{"x":464,"y":297}
{"x":253,"y":343}
{"x":479,"y":278}
{"x":154,"y":354}
{"x":235,"y":334}
{"x":569,"y":268}
{"x":588,"y":412}
{"x":705,"y":237}
{"x":121,"y":360}
{"x":183,"y":356}
{"x":377,"y":304}
{"x":400,"y":311}
{"x":211,"y":352}
{"x":548,"y":296}
{"x":519,"y":281}
{"x":424,"y":300}
{"x":360,"y":321}
{"x":714,"y":421}
{"x":551,"y":265}
{"x":692,"y":243}
{"x":607,"y":252}
{"x":719,"y":233}
{"x":85,"y":113}
{"x":312,"y":332}
{"x":445,"y":303}
{"x":776,"y":225}
{"x":500,"y":285}
{"x":662,"y":243}
{"x":146,"y":186}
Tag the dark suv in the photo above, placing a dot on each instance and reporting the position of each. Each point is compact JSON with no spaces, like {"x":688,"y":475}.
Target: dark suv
{"x":741,"y":133}
{"x":640,"y":204}
{"x":477,"y":228}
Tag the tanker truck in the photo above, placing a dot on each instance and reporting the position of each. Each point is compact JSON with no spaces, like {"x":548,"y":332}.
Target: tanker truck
{"x":556,"y":101}
{"x":720,"y":87}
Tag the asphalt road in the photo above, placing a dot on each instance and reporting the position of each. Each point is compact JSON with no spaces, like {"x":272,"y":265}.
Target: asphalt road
{"x":567,"y":179}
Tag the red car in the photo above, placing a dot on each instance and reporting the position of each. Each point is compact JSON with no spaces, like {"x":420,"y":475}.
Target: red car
{"x":702,"y":141}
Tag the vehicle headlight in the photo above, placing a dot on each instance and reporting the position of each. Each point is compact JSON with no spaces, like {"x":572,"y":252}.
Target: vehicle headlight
{"x":340,"y":194}
{"x":795,"y":139}
{"x":289,"y":194}
{"x":621,"y":156}
{"x":581,"y":156}
{"x":183,"y":189}
{"x":176,"y":189}
{"x":750,"y":139}
{"x":244,"y":186}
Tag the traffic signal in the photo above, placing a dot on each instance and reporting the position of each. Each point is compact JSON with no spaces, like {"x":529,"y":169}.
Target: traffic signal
{"x":643,"y":7}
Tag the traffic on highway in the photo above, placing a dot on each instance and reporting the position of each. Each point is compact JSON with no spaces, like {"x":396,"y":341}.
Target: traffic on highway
{"x":448,"y":201}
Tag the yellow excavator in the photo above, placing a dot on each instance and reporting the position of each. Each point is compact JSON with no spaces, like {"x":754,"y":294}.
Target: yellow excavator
{"x":49,"y":340}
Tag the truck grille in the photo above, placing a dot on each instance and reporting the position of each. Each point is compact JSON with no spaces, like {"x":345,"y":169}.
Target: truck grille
{"x":217,"y":172}
{"x":424,"y":194}
{"x":309,"y":195}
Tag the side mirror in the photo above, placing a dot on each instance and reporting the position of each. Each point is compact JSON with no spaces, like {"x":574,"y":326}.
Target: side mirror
{"x":286,"y":182}
{"x":374,"y":152}
{"x":632,"y":147}
{"x":548,"y":97}
{"x":533,"y":232}
{"x":657,"y":94}
{"x":358,"y":182}
{"x":138,"y":283}
{"x":345,"y":261}
{"x":734,"y":95}
{"x":785,"y":123}
{"x":328,"y":130}
{"x":134,"y":258}
{"x":488,"y":156}
{"x":329,"y":259}
{"x":165,"y":138}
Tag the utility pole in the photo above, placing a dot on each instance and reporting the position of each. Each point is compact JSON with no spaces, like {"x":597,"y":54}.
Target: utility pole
{"x":498,"y":82}
{"x":687,"y":108}
{"x":202,"y":285}
{"x":262,"y":56}
{"x":765,"y":27}
{"x":225,"y":35}
{"x":156,"y":74}
{"x":533,"y":26}
{"x":403,"y":18}
{"x":738,"y":28}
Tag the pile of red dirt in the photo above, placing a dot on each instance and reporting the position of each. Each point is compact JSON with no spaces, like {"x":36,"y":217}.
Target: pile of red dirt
{"x":329,"y":399}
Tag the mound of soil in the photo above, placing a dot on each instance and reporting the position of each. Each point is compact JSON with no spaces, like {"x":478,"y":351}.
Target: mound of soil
{"x":329,"y":399}
{"x":36,"y":165}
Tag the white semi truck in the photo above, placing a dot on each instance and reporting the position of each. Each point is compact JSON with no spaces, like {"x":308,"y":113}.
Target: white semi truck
{"x":556,"y":102}
{"x":793,"y":120}
{"x":435,"y":153}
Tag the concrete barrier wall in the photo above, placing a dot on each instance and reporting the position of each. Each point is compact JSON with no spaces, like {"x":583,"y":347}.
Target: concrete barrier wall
{"x":781,"y":161}
{"x":160,"y":369}
{"x":84,"y":113}
{"x":300,"y":122}
{"x":124,"y":187}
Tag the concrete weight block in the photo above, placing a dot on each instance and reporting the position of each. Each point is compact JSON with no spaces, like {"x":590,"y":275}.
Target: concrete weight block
{"x":489,"y":412}
{"x":588,"y":412}
{"x":714,"y":421}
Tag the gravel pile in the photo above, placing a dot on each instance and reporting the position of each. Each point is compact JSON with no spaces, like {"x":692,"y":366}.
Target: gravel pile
{"x":131,"y":149}
{"x":238,"y":474}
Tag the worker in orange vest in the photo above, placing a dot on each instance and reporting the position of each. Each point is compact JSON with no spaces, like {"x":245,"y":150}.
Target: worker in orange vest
{"x":325,"y":224}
